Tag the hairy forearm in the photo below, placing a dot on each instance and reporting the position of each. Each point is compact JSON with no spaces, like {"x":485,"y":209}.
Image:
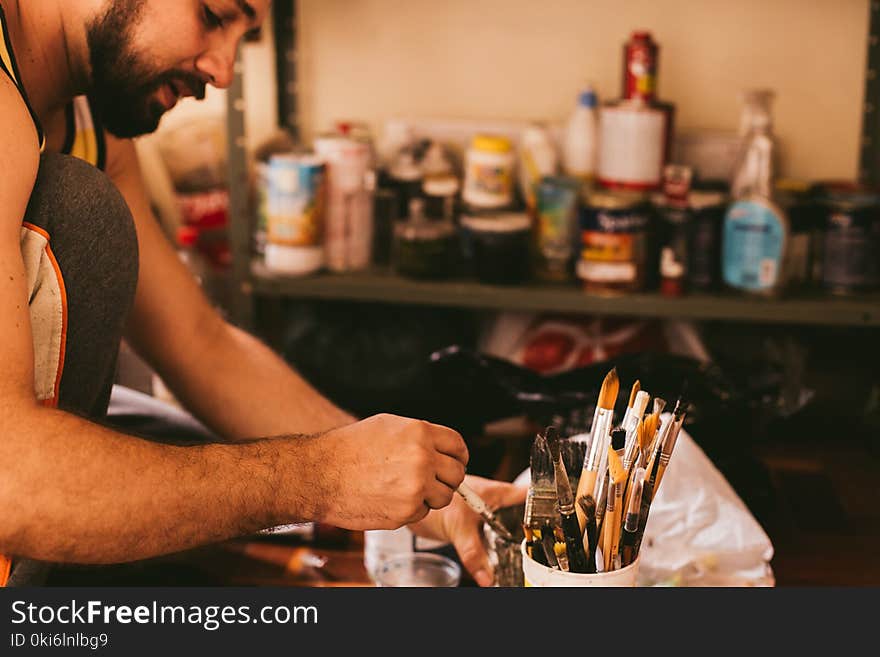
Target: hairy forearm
{"x":73,"y":491}
{"x":241,"y":388}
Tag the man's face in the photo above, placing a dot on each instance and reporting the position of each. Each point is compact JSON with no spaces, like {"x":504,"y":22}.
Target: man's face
{"x":146,"y":54}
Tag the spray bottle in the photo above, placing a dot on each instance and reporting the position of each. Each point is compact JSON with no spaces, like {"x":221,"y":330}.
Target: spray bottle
{"x":756,"y":229}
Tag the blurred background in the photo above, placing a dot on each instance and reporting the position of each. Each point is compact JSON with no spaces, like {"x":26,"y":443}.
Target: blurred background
{"x":470,"y":211}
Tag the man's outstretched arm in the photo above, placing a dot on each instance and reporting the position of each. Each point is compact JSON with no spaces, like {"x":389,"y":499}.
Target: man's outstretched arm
{"x":226,"y":377}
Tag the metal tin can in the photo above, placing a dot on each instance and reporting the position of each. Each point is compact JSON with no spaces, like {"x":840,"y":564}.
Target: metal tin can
{"x":294,"y":209}
{"x":634,"y":143}
{"x":704,"y":240}
{"x":555,"y":229}
{"x":674,"y":218}
{"x":350,"y":188}
{"x":294,"y":200}
{"x":614,"y":242}
{"x":851,"y":250}
{"x":640,"y":57}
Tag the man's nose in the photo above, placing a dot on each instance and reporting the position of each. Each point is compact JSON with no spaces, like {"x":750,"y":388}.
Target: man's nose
{"x":217,"y":66}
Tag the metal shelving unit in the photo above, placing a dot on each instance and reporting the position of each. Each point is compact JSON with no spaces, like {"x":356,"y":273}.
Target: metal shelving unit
{"x":251,"y":280}
{"x":381,"y":285}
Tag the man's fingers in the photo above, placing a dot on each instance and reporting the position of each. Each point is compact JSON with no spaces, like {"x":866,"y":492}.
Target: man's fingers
{"x":418,"y":515}
{"x":448,"y":470}
{"x":438,"y":495}
{"x":448,"y":441}
{"x":473,"y":555}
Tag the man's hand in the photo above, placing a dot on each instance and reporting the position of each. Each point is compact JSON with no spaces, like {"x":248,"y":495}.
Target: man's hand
{"x":388,"y":471}
{"x":460,"y":525}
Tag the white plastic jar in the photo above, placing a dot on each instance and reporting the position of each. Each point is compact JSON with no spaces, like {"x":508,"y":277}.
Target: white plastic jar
{"x":489,"y":173}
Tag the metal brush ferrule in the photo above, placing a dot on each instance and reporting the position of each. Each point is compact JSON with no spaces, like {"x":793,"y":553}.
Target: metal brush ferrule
{"x":541,"y":507}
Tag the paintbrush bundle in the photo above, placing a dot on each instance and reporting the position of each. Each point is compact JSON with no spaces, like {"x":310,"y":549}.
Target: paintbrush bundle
{"x":600,"y":528}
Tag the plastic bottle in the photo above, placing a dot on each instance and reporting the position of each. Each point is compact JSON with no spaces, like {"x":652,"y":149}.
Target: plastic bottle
{"x":756,"y":229}
{"x":537,"y":159}
{"x":579,"y":145}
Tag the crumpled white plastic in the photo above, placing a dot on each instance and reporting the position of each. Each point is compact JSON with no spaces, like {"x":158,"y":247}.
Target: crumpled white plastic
{"x":699,"y":531}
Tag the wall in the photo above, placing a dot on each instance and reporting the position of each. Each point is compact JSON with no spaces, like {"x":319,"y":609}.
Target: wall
{"x":523,"y":59}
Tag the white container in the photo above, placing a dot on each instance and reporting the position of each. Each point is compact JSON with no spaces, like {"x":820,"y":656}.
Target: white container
{"x":380,"y":545}
{"x":489,"y":170}
{"x":294,"y":213}
{"x":349,"y":211}
{"x":632,"y":145}
{"x":294,"y":260}
{"x":534,"y":574}
{"x":579,"y":144}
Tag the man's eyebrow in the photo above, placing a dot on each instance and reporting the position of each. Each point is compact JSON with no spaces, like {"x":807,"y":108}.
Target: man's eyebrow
{"x":246,"y":9}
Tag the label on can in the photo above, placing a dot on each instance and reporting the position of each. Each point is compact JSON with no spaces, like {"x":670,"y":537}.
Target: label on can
{"x":851,"y":259}
{"x":704,"y":247}
{"x":557,"y":214}
{"x":295,"y":201}
{"x":753,"y":243}
{"x":613,"y":246}
{"x":632,"y":146}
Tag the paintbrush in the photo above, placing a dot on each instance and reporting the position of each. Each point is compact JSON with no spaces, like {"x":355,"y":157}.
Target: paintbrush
{"x":629,"y":535}
{"x":477,"y":504}
{"x":599,"y":438}
{"x":560,"y":550}
{"x":533,"y":546}
{"x":577,"y":560}
{"x":588,"y":506}
{"x":654,"y":458}
{"x":617,"y":478}
{"x":659,"y":405}
{"x":601,"y":502}
{"x":548,"y":542}
{"x":630,"y":406}
{"x":678,"y":415}
{"x":632,"y":431}
{"x":541,"y":499}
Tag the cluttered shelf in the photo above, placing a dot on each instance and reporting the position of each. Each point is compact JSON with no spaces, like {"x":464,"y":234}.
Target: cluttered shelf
{"x":381,"y":284}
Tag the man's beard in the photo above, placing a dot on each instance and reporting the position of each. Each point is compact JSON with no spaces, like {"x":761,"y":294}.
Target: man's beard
{"x":123,"y":89}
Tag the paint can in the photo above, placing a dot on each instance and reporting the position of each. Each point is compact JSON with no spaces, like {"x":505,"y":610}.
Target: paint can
{"x":614,"y":242}
{"x":294,"y":207}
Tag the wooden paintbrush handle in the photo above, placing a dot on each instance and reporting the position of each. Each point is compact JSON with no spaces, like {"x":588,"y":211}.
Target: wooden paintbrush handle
{"x":585,"y":487}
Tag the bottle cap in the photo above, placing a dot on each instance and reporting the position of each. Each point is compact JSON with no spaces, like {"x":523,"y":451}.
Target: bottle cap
{"x":491,"y":144}
{"x":587,"y":97}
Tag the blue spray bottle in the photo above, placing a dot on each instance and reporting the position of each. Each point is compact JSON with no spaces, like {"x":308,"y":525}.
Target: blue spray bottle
{"x":756,"y":230}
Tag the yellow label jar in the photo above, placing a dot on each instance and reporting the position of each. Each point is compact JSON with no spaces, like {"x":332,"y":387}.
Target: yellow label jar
{"x":489,"y":169}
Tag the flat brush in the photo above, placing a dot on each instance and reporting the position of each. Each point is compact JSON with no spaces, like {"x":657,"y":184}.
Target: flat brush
{"x":477,"y":504}
{"x":629,"y":536}
{"x":632,"y":430}
{"x":678,"y":415}
{"x":548,"y":542}
{"x":533,"y":546}
{"x":616,"y":481}
{"x":630,"y":406}
{"x":654,"y":459}
{"x":659,"y":405}
{"x":573,"y":537}
{"x":601,"y":502}
{"x":644,"y":441}
{"x":541,"y":506}
{"x":600,"y":438}
{"x":588,"y":506}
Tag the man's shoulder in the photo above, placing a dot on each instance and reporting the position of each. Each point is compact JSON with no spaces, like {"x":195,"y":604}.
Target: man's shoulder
{"x":16,"y":115}
{"x":19,"y":143}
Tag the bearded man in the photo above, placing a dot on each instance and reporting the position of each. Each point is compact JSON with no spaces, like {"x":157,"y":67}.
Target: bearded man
{"x":83,"y":263}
